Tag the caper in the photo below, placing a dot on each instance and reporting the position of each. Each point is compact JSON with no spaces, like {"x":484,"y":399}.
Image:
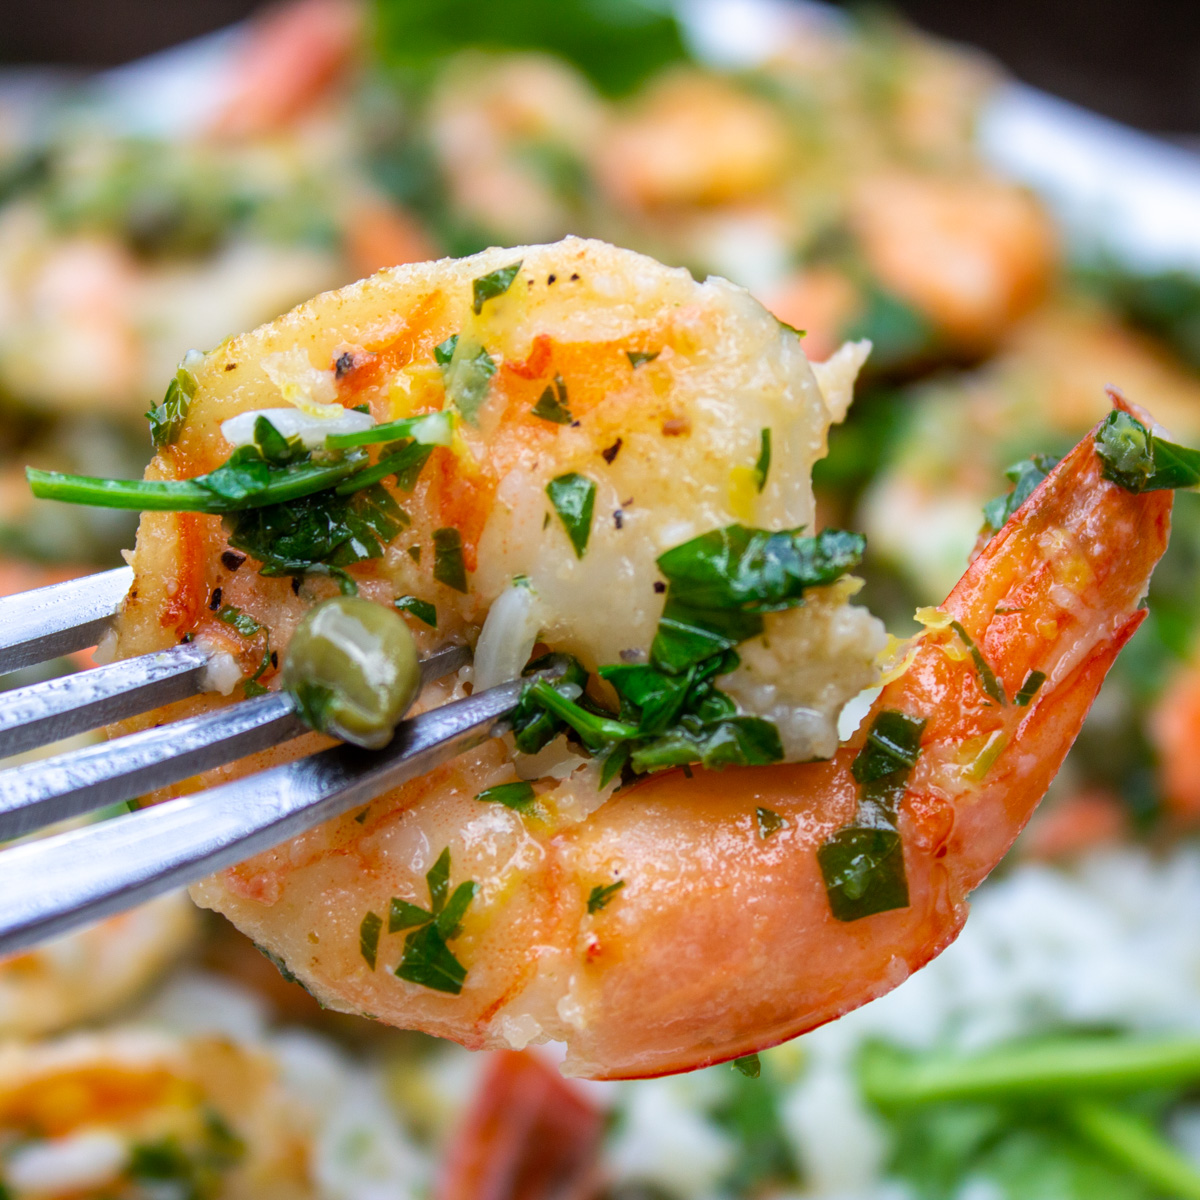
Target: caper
{"x":352,"y":669}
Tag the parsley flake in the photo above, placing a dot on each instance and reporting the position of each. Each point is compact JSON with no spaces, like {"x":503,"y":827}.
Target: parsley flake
{"x":421,"y":609}
{"x":518,"y":795}
{"x":168,"y":418}
{"x":1029,"y":689}
{"x":749,"y":1065}
{"x":1026,"y":476}
{"x":638,"y":358}
{"x":769,"y":822}
{"x":1138,"y":461}
{"x":368,"y":938}
{"x":494,"y":283}
{"x":448,"y":565}
{"x":427,"y":959}
{"x":552,"y":404}
{"x":763,"y":466}
{"x":600,"y":896}
{"x":574,"y":497}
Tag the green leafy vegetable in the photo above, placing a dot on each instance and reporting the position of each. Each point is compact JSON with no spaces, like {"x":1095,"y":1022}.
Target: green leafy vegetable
{"x":494,"y":283}
{"x":987,"y":677}
{"x":552,"y":403}
{"x":601,"y":894}
{"x":1026,"y":476}
{"x":518,"y":795}
{"x":167,"y":419}
{"x":1138,"y":461}
{"x":421,"y":609}
{"x":443,"y":352}
{"x":432,"y":429}
{"x":763,"y":467}
{"x":448,"y":565}
{"x":748,"y":1065}
{"x":368,"y":938}
{"x":638,"y":358}
{"x":427,"y":959}
{"x":1029,"y":689}
{"x":720,"y":584}
{"x":534,"y":726}
{"x":574,"y":496}
{"x":769,"y":822}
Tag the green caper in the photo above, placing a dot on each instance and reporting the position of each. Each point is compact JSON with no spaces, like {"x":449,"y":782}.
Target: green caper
{"x":352,"y":669}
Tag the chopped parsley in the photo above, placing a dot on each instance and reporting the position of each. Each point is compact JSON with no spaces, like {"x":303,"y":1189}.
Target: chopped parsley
{"x":247,"y":626}
{"x":368,"y":937}
{"x":574,"y":497}
{"x":167,"y":419}
{"x":448,"y":565}
{"x":467,"y":376}
{"x":427,"y":958}
{"x":421,"y":609}
{"x":1138,"y":461}
{"x":1026,"y":476}
{"x":601,"y":894}
{"x":987,"y":677}
{"x":494,"y":283}
{"x":769,"y":822}
{"x":1029,"y":689}
{"x":638,"y":358}
{"x":443,"y":352}
{"x":518,"y":795}
{"x":552,"y":403}
{"x":863,"y":863}
{"x":748,"y":1065}
{"x":762,"y":467}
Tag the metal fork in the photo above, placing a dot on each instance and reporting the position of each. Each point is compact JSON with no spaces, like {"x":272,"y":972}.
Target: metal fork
{"x":54,"y":884}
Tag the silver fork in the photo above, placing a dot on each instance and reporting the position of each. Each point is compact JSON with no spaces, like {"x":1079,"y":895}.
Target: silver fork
{"x":56,"y":883}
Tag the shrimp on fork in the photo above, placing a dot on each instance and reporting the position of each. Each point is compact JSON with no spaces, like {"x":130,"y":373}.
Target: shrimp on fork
{"x":692,"y":915}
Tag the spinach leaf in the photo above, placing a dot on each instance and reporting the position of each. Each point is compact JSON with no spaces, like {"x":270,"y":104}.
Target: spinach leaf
{"x":534,"y":726}
{"x":574,"y":497}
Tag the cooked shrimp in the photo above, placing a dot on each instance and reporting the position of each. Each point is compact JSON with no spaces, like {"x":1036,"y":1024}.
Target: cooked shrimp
{"x":88,"y":974}
{"x":109,"y":1114}
{"x":685,"y":920}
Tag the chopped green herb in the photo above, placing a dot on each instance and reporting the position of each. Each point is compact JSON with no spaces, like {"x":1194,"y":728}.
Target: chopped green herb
{"x":749,"y":1065}
{"x":863,"y":869}
{"x":247,"y":626}
{"x":414,"y":552}
{"x":534,"y":726}
{"x":431,"y":429}
{"x":574,"y":497}
{"x":428,"y":961}
{"x":1026,"y":476}
{"x":444,"y":352}
{"x":638,"y":357}
{"x":735,"y":742}
{"x":1029,"y":689}
{"x":517,"y":795}
{"x":721,"y":583}
{"x":893,"y":745}
{"x":448,"y":566}
{"x":403,"y":915}
{"x":494,"y":283}
{"x":421,"y":609}
{"x":1138,"y":461}
{"x":167,"y":419}
{"x":768,"y":822}
{"x":987,"y":677}
{"x":600,"y":896}
{"x":763,"y":467}
{"x":438,"y":879}
{"x":368,"y":937}
{"x":468,"y":379}
{"x":552,"y":403}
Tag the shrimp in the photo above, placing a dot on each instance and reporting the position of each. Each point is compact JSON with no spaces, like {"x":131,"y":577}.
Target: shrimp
{"x":689,"y":918}
{"x":96,"y":1115}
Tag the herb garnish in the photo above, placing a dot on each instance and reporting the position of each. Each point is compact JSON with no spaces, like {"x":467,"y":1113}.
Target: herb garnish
{"x":1029,"y":689}
{"x":601,"y":894}
{"x":552,"y":403}
{"x":494,"y":283}
{"x":448,"y":565}
{"x":167,"y":419}
{"x":368,"y":937}
{"x":638,"y":357}
{"x":749,"y":1065}
{"x":430,"y":429}
{"x":1138,"y":461}
{"x":987,"y":677}
{"x":247,"y":626}
{"x":574,"y":496}
{"x":863,"y":863}
{"x":1026,"y":475}
{"x":427,"y":958}
{"x":517,"y":795}
{"x":769,"y":822}
{"x":421,"y":609}
{"x":763,"y":466}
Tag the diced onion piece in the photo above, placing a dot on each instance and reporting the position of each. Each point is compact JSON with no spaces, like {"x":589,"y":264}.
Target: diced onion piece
{"x":507,"y":638}
{"x":67,"y":1164}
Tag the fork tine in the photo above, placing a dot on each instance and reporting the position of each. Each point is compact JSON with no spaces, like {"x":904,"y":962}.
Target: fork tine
{"x":44,"y":712}
{"x":53,"y":789}
{"x":54,"y":620}
{"x":51,"y":886}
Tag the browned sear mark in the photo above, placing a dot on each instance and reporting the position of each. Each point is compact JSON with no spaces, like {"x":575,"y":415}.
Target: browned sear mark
{"x":676,"y":427}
